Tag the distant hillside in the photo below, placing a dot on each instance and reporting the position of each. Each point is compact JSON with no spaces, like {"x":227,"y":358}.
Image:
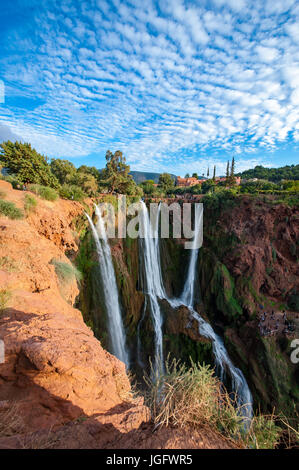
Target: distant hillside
{"x":288,"y":172}
{"x":140,"y":176}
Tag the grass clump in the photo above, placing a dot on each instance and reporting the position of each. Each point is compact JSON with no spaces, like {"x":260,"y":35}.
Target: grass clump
{"x":11,"y":422}
{"x":30,"y":203}
{"x":5,"y":297}
{"x":9,"y":210}
{"x":44,"y":192}
{"x":66,"y":272}
{"x":186,"y":396}
{"x":263,"y":433}
{"x":189,"y":397}
{"x":8,"y":264}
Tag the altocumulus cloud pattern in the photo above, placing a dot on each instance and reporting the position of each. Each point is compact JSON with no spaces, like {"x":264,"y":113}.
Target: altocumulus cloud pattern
{"x":162,"y":81}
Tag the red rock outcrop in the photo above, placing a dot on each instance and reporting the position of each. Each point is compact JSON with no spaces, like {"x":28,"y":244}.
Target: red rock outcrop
{"x":58,"y":387}
{"x":55,"y":370}
{"x":269,"y":246}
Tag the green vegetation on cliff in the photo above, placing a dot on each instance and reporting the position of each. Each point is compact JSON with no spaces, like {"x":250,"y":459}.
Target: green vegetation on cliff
{"x":193,"y":397}
{"x":10,"y":210}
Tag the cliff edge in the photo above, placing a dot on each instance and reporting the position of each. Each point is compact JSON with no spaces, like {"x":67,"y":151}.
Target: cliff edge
{"x":58,"y":387}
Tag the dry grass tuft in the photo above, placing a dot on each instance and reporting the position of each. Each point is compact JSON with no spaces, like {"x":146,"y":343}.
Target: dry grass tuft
{"x":189,"y":397}
{"x":5,"y":297}
{"x":11,"y":422}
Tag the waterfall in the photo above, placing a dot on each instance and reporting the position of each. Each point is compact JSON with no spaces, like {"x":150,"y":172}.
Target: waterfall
{"x":155,"y":290}
{"x":115,"y":323}
{"x":152,"y":277}
{"x":187,"y":296}
{"x":224,"y":365}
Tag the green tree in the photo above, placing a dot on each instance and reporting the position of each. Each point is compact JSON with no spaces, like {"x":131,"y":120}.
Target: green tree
{"x":196,"y":189}
{"x":232,"y":172}
{"x":91,"y":170}
{"x":116,"y":174}
{"x":232,"y":168}
{"x":27,"y":164}
{"x":214,"y":173}
{"x":207,"y":186}
{"x":195,"y":175}
{"x":288,"y":172}
{"x":63,"y":170}
{"x":227,"y":170}
{"x":187,"y":175}
{"x":166,"y":182}
{"x":208,"y":172}
{"x":148,"y":187}
{"x":86,"y":181}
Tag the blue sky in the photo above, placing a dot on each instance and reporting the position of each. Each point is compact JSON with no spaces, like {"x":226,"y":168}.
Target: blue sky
{"x":176,"y":85}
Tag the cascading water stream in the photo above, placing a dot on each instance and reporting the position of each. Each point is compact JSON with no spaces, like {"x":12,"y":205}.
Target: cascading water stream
{"x":187,"y":296}
{"x":152,"y":279}
{"x":115,"y":323}
{"x":156,"y":289}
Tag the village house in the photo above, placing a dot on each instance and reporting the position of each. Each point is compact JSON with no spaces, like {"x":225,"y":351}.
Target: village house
{"x":191,"y":181}
{"x":186,"y":182}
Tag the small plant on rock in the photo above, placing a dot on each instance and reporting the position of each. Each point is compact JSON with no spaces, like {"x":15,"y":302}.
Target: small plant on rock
{"x":66,"y":272}
{"x":9,"y":210}
{"x":30,"y":203}
{"x":5,"y":297}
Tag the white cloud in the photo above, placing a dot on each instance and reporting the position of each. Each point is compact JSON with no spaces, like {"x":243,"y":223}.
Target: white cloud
{"x":293,"y":30}
{"x":166,"y":83}
{"x":236,"y":5}
{"x":267,"y":54}
{"x":295,"y":97}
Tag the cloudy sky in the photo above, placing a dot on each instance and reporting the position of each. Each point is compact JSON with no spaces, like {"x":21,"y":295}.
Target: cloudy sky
{"x":176,"y":85}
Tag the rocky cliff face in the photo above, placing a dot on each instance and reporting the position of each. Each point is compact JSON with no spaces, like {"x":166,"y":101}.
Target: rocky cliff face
{"x":55,"y":370}
{"x":249,"y":258}
{"x":58,"y":387}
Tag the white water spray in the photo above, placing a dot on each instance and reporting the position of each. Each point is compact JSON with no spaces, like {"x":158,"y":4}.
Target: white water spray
{"x":154,"y":276}
{"x":187,"y":296}
{"x":115,"y":323}
{"x":153,"y":284}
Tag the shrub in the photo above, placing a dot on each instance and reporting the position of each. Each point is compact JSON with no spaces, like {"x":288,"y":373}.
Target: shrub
{"x":30,"y":203}
{"x":66,"y":272}
{"x":5,"y":297}
{"x":27,"y":164}
{"x":71,"y":191}
{"x":44,"y":192}
{"x":189,"y":396}
{"x":263,"y":433}
{"x":9,"y":209}
{"x":192,"y":396}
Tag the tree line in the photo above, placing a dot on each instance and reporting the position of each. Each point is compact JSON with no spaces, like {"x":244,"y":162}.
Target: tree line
{"x":288,"y":172}
{"x":25,"y":166}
